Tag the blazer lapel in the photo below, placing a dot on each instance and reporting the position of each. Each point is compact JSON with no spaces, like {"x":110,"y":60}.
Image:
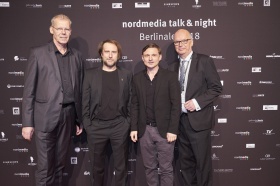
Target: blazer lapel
{"x":98,"y":81}
{"x":192,"y":68}
{"x":159,"y":81}
{"x":143,"y":87}
{"x":73,"y":67}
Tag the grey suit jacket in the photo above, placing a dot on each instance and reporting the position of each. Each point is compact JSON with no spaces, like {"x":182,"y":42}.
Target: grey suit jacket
{"x":92,"y":91}
{"x":43,"y":92}
{"x":204,"y":85}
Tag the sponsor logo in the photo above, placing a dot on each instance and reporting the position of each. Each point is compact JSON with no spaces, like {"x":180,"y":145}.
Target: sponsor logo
{"x":196,"y":6}
{"x":256,"y":69}
{"x":270,"y":107}
{"x":246,"y":4}
{"x":16,"y":99}
{"x":23,"y":175}
{"x":266,"y":2}
{"x":65,"y":174}
{"x":215,"y":157}
{"x":214,"y":134}
{"x":241,"y":157}
{"x":217,"y":57}
{"x":3,"y":137}
{"x":129,"y":172}
{"x":116,"y":5}
{"x":222,"y":120}
{"x":132,"y":159}
{"x":142,"y":5}
{"x":223,"y":70}
{"x":34,"y":6}
{"x":224,"y":96}
{"x":216,"y":108}
{"x":269,"y":132}
{"x":83,"y":149}
{"x":219,"y":3}
{"x":247,"y":133}
{"x":255,"y":169}
{"x":222,"y":82}
{"x":16,"y":111}
{"x":247,"y":108}
{"x":250,"y":146}
{"x":249,"y":57}
{"x":257,"y":95}
{"x":20,"y":73}
{"x":10,"y":162}
{"x":91,"y":6}
{"x":86,"y":173}
{"x":125,"y":59}
{"x":15,"y":86}
{"x":171,"y":5}
{"x":255,"y":120}
{"x":266,"y":82}
{"x":16,"y":124}
{"x":64,"y":6}
{"x":217,"y":146}
{"x":267,"y":157}
{"x":2,"y":59}
{"x":20,"y":150}
{"x":273,"y":56}
{"x":32,"y":161}
{"x":16,"y":58}
{"x":223,"y":170}
{"x":4,"y":4}
{"x":74,"y":160}
{"x":244,"y":83}
{"x":94,"y":60}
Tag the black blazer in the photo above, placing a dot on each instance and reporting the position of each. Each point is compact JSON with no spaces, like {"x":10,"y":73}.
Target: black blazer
{"x":92,"y":90}
{"x":42,"y":95}
{"x":204,"y":85}
{"x":167,"y":103}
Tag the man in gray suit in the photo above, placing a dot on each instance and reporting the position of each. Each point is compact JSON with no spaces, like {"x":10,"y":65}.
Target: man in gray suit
{"x":52,"y":100}
{"x":106,"y":101}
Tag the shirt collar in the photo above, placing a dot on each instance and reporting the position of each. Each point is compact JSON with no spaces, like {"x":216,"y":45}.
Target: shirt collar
{"x":187,"y":58}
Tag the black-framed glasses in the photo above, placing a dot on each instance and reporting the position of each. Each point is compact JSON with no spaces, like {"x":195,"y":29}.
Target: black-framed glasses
{"x":185,"y":41}
{"x":62,"y":29}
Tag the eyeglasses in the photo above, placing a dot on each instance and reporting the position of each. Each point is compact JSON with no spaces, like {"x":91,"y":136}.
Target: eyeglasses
{"x":185,"y":41}
{"x":62,"y":29}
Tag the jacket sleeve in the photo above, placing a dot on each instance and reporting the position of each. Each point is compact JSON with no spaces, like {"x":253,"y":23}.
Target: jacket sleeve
{"x":29,"y":91}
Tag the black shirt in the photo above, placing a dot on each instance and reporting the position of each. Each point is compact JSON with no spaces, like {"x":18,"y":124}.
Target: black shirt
{"x":110,"y":96}
{"x":64,"y":68}
{"x":150,"y":96}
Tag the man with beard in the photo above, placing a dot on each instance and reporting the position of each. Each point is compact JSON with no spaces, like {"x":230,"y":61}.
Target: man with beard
{"x":106,"y":101}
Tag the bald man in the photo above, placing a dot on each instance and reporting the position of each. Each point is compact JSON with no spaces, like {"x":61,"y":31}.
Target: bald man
{"x":200,"y":86}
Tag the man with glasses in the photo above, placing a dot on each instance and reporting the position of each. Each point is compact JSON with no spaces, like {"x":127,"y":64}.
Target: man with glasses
{"x":52,"y":101}
{"x":155,"y":114}
{"x":200,"y":86}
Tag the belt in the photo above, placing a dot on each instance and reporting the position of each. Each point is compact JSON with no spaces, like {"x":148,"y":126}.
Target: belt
{"x":152,"y":124}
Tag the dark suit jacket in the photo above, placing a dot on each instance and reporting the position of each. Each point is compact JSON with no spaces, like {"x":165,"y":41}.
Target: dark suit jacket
{"x":43,"y":93}
{"x":167,"y":103}
{"x":92,"y":90}
{"x":204,"y":85}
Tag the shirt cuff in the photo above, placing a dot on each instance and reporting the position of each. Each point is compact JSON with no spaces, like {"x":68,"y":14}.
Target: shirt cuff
{"x":197,"y":107}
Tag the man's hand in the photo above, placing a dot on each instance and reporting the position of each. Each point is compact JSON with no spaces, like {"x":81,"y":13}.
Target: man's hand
{"x":171,"y":137}
{"x":78,"y":130}
{"x":133,"y":135}
{"x":27,"y":133}
{"x":189,"y":105}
